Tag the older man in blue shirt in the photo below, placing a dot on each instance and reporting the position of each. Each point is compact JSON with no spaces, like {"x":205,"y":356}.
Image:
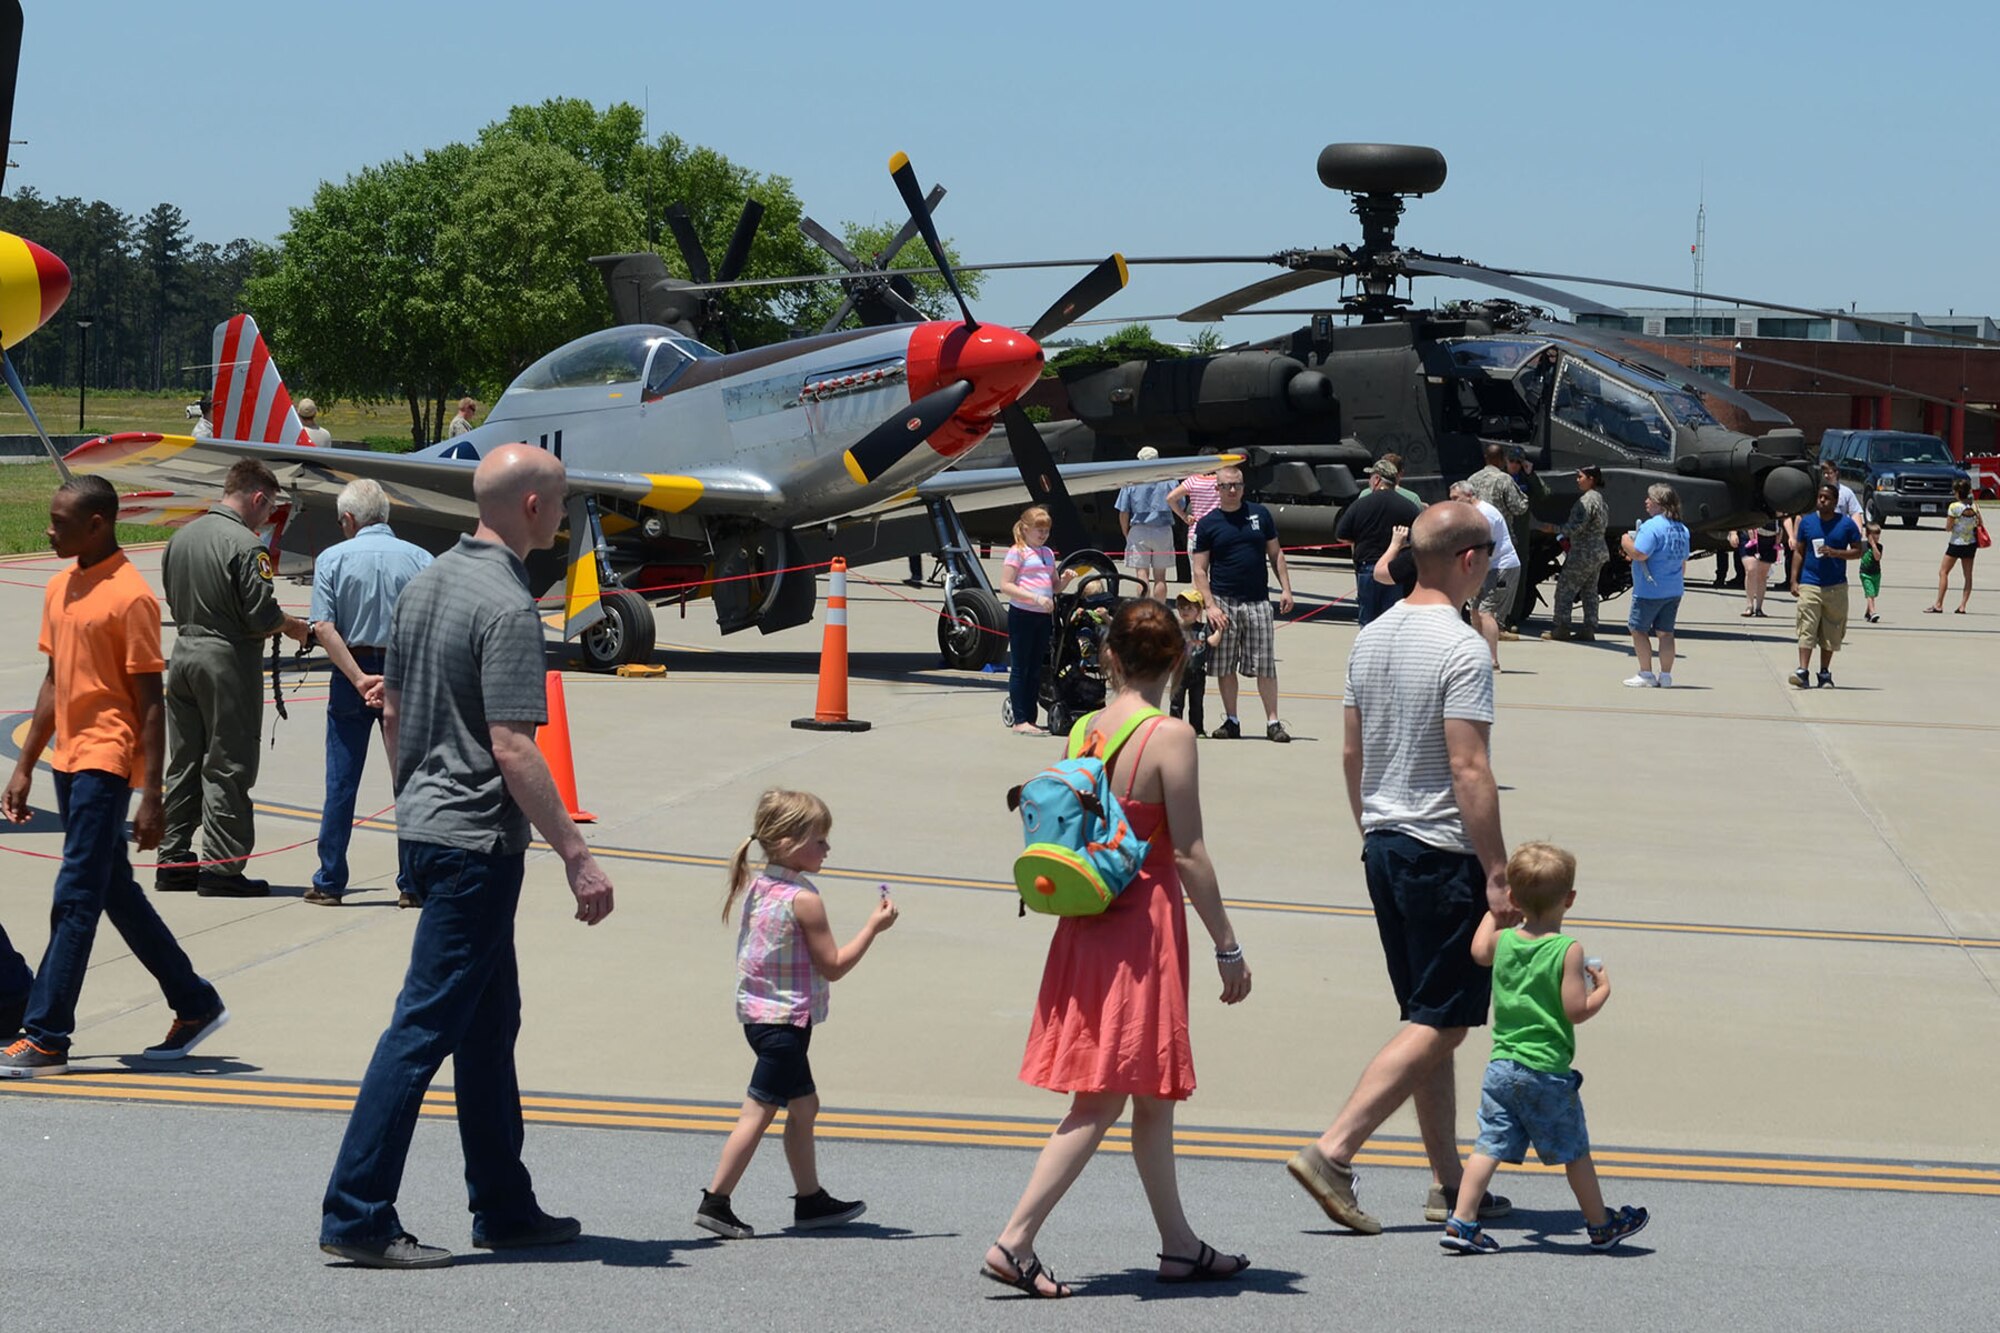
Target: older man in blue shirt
{"x":355,"y":587}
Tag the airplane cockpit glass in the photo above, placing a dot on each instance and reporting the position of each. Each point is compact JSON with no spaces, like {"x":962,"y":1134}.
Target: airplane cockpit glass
{"x":615,"y":356}
{"x":1686,"y":409}
{"x":1901,"y":449}
{"x":1491,"y":353}
{"x":1592,"y":401}
{"x":670,"y":357}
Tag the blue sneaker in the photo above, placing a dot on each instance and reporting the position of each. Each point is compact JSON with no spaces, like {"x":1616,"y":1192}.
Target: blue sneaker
{"x":1627,"y":1221}
{"x":1469,"y":1238}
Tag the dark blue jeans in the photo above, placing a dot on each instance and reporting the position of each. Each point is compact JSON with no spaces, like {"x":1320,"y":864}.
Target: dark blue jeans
{"x":461,"y":998}
{"x":96,"y":881}
{"x":1027,"y":653}
{"x":1371,"y":599}
{"x":350,"y":727}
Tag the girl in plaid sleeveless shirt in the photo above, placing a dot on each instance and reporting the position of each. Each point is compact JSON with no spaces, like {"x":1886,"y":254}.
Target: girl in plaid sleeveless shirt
{"x":785,"y":961}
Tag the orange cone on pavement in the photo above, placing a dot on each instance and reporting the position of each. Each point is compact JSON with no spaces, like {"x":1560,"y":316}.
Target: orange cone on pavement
{"x":830,"y":713}
{"x":552,"y":739}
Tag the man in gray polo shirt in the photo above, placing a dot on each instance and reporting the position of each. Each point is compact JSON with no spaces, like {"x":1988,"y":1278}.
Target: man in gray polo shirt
{"x":464,"y":694}
{"x":1419,"y":711}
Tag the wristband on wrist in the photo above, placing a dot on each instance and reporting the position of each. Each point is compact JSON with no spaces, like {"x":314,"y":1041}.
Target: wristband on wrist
{"x":1232,"y":955}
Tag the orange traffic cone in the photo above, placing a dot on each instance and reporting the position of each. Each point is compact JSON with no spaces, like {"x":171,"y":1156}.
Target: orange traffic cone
{"x":553,"y":741}
{"x":830,"y":713}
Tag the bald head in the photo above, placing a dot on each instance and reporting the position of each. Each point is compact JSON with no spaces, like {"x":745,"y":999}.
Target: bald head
{"x":1441,"y":533}
{"x":520,"y":495}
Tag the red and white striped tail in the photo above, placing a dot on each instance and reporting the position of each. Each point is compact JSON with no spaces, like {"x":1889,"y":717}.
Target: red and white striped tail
{"x":251,"y":403}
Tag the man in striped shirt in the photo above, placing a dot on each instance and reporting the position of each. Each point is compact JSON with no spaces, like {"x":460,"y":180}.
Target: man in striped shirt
{"x":1419,"y":709}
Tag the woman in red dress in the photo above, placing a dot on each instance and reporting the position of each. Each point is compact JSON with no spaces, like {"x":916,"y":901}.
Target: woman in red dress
{"x":1111,"y":1021}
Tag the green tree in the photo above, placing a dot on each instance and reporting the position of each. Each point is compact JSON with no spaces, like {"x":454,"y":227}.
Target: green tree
{"x":1206,"y":342}
{"x":162,"y":241}
{"x":1134,"y":342}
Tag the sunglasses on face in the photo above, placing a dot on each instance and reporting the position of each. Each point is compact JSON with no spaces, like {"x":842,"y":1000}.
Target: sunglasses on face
{"x":1486,"y":547}
{"x":1228,"y":485}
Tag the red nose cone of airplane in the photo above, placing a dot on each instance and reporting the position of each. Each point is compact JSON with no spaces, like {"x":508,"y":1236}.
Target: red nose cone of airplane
{"x":1001,"y":363}
{"x":33,"y":286}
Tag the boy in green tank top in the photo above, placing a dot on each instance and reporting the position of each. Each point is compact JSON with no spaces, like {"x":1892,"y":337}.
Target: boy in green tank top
{"x":1542,"y":989}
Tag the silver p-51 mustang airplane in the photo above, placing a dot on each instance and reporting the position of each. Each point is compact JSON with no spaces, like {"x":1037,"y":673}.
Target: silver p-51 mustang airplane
{"x":691,"y":472}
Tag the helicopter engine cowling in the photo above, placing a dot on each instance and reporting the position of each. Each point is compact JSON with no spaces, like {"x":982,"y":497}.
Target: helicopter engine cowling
{"x":1208,"y":394}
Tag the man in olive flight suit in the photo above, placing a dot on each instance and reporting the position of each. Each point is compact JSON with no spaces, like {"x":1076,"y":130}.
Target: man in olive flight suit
{"x":217,"y":576}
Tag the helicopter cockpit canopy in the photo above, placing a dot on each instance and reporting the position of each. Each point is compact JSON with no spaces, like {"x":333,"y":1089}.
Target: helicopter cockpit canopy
{"x":1628,"y":406}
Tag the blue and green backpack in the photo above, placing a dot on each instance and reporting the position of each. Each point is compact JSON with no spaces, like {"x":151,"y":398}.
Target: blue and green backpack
{"x":1081,"y":851}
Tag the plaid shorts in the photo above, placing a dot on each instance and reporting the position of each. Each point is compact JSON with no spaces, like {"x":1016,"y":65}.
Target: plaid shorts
{"x":1247,"y":646}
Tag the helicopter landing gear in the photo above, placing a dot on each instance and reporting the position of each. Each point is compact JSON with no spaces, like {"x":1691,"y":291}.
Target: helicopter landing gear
{"x":972,"y":633}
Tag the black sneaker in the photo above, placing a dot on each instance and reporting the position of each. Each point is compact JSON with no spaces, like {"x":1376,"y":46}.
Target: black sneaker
{"x":1276,"y":732}
{"x":176,"y":877}
{"x":1826,"y":680}
{"x":544,"y":1230}
{"x":24,"y":1059}
{"x":820,"y":1209}
{"x":398,"y":1252}
{"x":1801,"y":679}
{"x":188,"y":1033}
{"x":1228,"y":731}
{"x":1627,"y":1221}
{"x":715,"y":1215}
{"x":215,"y":884}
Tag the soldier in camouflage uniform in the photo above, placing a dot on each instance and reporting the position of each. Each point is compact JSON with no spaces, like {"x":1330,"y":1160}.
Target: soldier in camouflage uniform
{"x":217,"y":576}
{"x":1584,"y":530}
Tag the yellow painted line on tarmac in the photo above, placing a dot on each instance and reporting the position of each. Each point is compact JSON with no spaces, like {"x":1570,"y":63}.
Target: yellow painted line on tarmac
{"x":1008,"y":1131}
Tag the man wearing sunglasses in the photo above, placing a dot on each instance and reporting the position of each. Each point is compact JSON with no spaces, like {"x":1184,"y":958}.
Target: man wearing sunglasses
{"x":1230,"y":548}
{"x":1418,"y":716}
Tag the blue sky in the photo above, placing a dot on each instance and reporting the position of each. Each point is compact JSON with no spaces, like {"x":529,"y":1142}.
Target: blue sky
{"x":1846,"y":150}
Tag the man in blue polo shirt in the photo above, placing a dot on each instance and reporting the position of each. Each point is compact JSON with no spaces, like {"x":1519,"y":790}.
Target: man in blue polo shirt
{"x":355,"y":587}
{"x":1827,"y":540}
{"x":1231,"y":544}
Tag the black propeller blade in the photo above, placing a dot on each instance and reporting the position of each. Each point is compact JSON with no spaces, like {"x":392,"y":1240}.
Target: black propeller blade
{"x":738,"y":253}
{"x":905,"y":177}
{"x":1091,"y":291}
{"x":1045,"y":484}
{"x":682,"y":226}
{"x":889,"y":443}
{"x":880,"y":299}
{"x":10,"y":65}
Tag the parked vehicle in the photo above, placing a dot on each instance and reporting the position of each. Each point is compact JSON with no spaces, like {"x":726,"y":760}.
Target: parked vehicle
{"x":1894,"y":473}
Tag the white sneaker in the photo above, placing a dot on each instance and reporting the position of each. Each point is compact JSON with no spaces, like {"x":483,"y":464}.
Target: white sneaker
{"x":1645,"y":680}
{"x":1665,"y":680}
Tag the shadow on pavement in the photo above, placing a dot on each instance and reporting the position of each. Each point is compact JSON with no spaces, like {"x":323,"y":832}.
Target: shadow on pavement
{"x":865,"y":1231}
{"x":200,"y":1066}
{"x":1142,"y":1283}
{"x":611,"y":1251}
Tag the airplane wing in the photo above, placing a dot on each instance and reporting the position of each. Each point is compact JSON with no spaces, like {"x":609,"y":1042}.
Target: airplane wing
{"x":171,"y":479}
{"x":988,"y":487}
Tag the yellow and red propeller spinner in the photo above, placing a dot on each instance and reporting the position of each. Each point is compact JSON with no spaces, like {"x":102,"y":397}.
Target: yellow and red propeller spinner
{"x":33,"y":286}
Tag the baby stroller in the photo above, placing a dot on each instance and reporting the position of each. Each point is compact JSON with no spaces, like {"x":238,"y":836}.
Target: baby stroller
{"x":1073,"y":681}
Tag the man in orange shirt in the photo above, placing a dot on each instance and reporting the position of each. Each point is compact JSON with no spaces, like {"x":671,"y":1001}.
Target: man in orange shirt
{"x":102,"y":703}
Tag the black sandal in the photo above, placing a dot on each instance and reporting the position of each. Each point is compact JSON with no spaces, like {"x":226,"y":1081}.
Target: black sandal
{"x":1202,"y":1267}
{"x":1025,"y":1275}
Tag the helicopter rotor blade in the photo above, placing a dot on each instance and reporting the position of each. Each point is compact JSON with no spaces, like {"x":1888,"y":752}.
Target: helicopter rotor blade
{"x":1506,"y":282}
{"x":1091,"y":291}
{"x":738,"y":253}
{"x":905,"y":177}
{"x":889,"y":443}
{"x":1261,"y":290}
{"x":908,"y":230}
{"x":1724,"y":298}
{"x":1067,"y":533}
{"x":1667,"y":369}
{"x":832,"y":244}
{"x":682,"y":226}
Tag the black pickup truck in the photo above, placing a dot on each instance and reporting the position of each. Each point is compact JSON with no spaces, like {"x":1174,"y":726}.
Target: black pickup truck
{"x":1894,"y":472}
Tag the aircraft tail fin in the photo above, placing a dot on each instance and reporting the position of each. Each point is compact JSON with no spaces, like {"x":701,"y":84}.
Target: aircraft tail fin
{"x":251,"y":401}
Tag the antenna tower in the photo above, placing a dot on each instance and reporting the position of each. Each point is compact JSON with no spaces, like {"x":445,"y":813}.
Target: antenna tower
{"x":1700,"y":250}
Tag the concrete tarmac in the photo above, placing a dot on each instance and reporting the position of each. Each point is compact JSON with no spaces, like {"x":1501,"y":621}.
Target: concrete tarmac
{"x":1792,"y":891}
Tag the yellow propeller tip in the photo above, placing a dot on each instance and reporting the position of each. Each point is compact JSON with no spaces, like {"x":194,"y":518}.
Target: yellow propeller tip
{"x":854,"y":468}
{"x":897,"y":161}
{"x":1124,"y":273}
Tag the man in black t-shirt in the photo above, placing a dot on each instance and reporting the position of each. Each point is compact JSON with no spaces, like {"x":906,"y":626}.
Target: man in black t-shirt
{"x":1229,"y":550}
{"x":1367,"y":523}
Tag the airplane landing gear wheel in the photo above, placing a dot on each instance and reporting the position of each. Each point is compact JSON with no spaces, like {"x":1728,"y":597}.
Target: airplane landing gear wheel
{"x":982,"y":639}
{"x":626,"y":634}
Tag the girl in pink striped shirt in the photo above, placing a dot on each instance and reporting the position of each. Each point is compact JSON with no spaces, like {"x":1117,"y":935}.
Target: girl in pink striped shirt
{"x":785,"y":961}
